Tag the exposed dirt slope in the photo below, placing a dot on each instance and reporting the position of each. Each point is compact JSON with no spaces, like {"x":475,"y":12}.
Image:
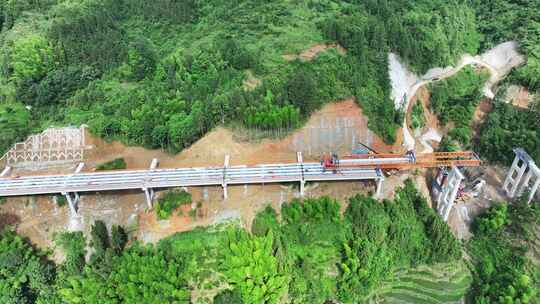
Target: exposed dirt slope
{"x":336,"y":127}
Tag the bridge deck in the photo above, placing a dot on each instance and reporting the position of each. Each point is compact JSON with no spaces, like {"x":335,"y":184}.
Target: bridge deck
{"x":179,"y":177}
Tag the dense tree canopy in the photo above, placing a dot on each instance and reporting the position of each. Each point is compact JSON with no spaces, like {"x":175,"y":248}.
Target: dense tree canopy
{"x":162,"y":75}
{"x":310,"y":254}
{"x":503,"y":273}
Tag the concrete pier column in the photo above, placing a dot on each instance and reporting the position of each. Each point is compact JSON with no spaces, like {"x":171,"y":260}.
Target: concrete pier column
{"x":74,"y":197}
{"x":534,"y":189}
{"x":379,"y":181}
{"x":448,"y":193}
{"x":378,"y":193}
{"x":149,"y":192}
{"x":515,"y":185}
{"x":302,"y":181}
{"x":522,"y":163}
{"x":518,"y":167}
{"x":6,"y":171}
{"x":73,"y":202}
{"x":79,"y":168}
{"x":224,"y":183}
{"x":525,"y":183}
{"x":509,"y":179}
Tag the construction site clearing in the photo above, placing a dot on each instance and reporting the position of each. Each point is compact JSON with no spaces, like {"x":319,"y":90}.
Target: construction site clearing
{"x":39,"y":217}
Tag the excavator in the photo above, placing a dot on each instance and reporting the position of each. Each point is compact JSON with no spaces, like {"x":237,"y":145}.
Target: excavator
{"x":370,"y":159}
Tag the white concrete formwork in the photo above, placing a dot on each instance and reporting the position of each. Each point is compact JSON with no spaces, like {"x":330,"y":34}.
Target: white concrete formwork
{"x":524,"y":175}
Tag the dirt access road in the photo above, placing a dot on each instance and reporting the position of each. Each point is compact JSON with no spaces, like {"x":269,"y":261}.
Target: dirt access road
{"x":498,"y":62}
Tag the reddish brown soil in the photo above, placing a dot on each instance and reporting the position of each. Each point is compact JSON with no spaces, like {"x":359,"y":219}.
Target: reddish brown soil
{"x":480,"y":114}
{"x":431,"y":119}
{"x":519,"y":96}
{"x":41,"y":219}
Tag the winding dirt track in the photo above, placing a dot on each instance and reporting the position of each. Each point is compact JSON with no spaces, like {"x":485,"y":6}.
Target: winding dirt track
{"x":438,"y":74}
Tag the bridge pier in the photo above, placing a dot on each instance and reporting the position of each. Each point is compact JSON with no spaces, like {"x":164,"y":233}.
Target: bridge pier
{"x":73,"y":198}
{"x":73,"y":202}
{"x":523,"y":162}
{"x":224,"y":183}
{"x":449,"y":188}
{"x":6,"y":171}
{"x":302,"y":180}
{"x":380,"y":181}
{"x":149,"y":193}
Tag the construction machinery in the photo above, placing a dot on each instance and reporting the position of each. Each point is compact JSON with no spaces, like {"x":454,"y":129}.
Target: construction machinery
{"x":407,"y":161}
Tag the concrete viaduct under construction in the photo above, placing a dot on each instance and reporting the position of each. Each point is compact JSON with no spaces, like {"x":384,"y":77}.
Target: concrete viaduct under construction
{"x":355,"y":167}
{"x":73,"y":185}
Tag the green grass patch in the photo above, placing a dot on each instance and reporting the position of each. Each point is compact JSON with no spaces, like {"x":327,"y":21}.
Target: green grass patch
{"x":170,"y":201}
{"x":440,"y":283}
{"x":61,"y":200}
{"x":418,"y":119}
{"x":116,"y":164}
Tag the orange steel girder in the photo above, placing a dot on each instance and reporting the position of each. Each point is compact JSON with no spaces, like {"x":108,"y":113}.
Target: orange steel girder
{"x":425,"y":160}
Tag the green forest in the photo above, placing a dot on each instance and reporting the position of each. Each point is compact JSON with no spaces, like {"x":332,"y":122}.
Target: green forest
{"x":161,"y":75}
{"x":309,"y":253}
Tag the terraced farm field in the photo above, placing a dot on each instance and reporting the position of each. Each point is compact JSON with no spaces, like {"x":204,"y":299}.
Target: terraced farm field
{"x":443,"y":283}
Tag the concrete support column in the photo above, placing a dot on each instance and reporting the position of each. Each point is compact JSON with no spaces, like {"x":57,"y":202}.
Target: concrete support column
{"x":79,"y":168}
{"x":73,"y":198}
{"x":447,"y":196}
{"x":379,"y":181}
{"x":300,"y":160}
{"x":534,"y":189}
{"x":149,"y":192}
{"x":510,"y":183}
{"x":224,"y":183}
{"x":514,"y":186}
{"x":526,"y":180}
{"x":6,"y":171}
{"x":509,"y":178}
{"x":378,"y":194}
{"x":73,"y":202}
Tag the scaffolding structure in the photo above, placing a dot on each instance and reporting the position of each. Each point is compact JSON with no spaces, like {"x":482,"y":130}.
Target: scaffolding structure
{"x":51,"y":146}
